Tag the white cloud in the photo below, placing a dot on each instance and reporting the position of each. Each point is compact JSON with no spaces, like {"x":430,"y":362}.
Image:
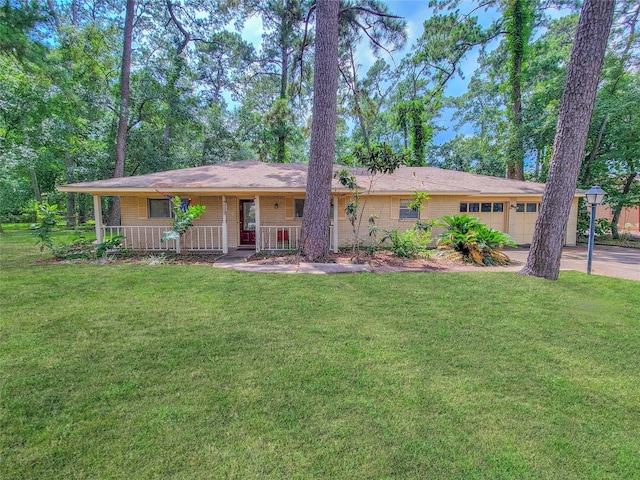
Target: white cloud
{"x":252,"y":31}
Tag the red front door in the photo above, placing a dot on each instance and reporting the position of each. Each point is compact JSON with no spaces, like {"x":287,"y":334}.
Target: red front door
{"x":247,"y":222}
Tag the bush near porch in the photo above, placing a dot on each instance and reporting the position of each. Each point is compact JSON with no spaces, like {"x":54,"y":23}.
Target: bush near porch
{"x":132,"y":371}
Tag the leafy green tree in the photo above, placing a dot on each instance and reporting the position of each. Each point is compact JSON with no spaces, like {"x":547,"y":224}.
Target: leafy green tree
{"x":614,"y":157}
{"x":468,"y":154}
{"x":378,"y":159}
{"x":47,"y":220}
{"x":183,"y":218}
{"x":518,"y":23}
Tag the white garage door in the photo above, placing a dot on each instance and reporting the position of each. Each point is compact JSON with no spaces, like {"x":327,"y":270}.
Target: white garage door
{"x":492,"y":214}
{"x":526,"y":214}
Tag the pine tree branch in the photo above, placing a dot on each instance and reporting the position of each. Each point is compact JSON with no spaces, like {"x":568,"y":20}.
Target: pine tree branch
{"x":372,"y":12}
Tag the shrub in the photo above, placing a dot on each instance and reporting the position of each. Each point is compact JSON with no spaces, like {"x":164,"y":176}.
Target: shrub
{"x":476,"y":242}
{"x":83,"y":249}
{"x":407,"y":244}
{"x":47,"y":218}
{"x":602,"y":227}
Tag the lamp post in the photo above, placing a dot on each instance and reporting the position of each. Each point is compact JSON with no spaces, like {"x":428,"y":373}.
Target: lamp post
{"x":595,"y":196}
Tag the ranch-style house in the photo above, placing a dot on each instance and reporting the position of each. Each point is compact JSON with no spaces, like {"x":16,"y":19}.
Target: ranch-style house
{"x":259,"y":205}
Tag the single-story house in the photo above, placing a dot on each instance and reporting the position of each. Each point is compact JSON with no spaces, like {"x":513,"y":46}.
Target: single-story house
{"x":259,"y":205}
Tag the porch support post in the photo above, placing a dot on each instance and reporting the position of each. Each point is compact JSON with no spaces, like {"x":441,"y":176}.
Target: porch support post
{"x":335,"y":224}
{"x":225,"y":240}
{"x":257,"y":207}
{"x":97,"y":215}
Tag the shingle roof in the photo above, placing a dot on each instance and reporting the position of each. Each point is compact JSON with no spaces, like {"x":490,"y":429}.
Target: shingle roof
{"x":247,"y":176}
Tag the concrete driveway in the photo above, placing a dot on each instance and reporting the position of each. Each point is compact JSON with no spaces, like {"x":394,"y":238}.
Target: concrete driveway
{"x":608,"y":261}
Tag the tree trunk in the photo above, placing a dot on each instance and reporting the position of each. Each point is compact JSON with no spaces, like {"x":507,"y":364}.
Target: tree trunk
{"x":282,"y":137}
{"x":315,"y":221}
{"x":177,"y":64}
{"x":285,"y":40}
{"x":74,"y":11}
{"x":71,"y":197}
{"x":356,"y":101}
{"x":54,"y":14}
{"x":34,"y":183}
{"x":123,"y":119}
{"x":172,"y":103}
{"x":519,"y":39}
{"x":589,"y":161}
{"x":571,"y":136}
{"x":616,"y":213}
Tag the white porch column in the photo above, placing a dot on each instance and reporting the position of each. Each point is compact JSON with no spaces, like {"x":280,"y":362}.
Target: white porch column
{"x":97,"y":215}
{"x":225,"y":239}
{"x":335,"y":224}
{"x":257,"y":207}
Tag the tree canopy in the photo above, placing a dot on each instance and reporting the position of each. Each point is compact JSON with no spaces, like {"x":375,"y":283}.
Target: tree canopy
{"x":201,"y":93}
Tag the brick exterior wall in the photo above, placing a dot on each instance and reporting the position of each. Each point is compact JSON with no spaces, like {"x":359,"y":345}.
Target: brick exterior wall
{"x":384,"y":207}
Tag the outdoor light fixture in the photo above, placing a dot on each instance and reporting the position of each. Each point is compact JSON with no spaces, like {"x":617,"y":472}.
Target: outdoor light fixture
{"x":595,"y":196}
{"x":275,"y":205}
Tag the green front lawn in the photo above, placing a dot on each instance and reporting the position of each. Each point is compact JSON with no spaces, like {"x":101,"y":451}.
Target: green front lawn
{"x":189,"y":372}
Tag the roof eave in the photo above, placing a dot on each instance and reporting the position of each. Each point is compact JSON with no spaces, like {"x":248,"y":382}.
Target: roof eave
{"x":209,"y":190}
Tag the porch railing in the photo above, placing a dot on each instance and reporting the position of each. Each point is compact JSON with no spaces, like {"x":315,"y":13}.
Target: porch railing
{"x":279,"y":237}
{"x":197,"y":238}
{"x":284,"y":237}
{"x":204,"y":238}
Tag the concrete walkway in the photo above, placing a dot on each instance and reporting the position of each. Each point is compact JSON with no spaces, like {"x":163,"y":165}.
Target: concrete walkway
{"x":608,"y":261}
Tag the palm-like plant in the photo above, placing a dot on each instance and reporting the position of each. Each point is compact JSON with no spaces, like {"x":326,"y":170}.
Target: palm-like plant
{"x":476,"y":242}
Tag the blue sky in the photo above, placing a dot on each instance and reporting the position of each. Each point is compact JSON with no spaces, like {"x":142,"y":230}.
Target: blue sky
{"x":415,"y":12}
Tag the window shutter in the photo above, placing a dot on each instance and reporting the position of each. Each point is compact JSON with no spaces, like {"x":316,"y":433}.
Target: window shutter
{"x":342,"y":205}
{"x":142,"y":208}
{"x":394,"y":213}
{"x":288,"y":208}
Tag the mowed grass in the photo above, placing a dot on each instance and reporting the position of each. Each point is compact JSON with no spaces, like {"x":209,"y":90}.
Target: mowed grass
{"x":189,"y":372}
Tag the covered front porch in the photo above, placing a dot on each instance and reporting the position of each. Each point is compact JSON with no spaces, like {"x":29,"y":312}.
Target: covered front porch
{"x":260,"y":223}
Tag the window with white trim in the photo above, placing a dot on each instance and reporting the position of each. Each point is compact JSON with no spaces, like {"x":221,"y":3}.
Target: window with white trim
{"x":159,"y":208}
{"x":406,"y":212}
